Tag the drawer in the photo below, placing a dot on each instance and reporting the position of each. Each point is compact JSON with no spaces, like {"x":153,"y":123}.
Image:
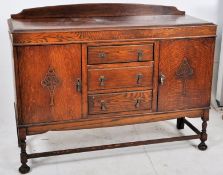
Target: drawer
{"x":121,"y":53}
{"x":119,"y":102}
{"x":120,"y":77}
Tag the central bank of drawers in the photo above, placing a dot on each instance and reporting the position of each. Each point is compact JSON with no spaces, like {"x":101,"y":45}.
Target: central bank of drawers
{"x":120,"y":78}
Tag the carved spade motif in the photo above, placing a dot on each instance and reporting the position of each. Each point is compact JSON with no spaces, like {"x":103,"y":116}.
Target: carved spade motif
{"x":184,"y":72}
{"x":51,"y":81}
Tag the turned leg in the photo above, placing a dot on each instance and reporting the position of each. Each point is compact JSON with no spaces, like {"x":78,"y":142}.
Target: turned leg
{"x":23,"y":155}
{"x":203,"y":137}
{"x":180,"y":123}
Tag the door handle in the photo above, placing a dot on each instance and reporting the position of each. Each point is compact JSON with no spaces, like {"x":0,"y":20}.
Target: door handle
{"x":78,"y":85}
{"x":162,"y":79}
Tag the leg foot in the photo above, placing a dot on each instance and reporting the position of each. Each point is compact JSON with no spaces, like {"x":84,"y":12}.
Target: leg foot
{"x":203,"y":136}
{"x":202,"y":146}
{"x":24,"y":169}
{"x":180,"y":123}
{"x":23,"y":155}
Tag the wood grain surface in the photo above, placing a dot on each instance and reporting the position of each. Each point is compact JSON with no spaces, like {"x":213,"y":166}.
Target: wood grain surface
{"x":116,"y":121}
{"x":120,"y":77}
{"x":34,"y":63}
{"x":199,"y":53}
{"x":119,"y":53}
{"x":119,"y":102}
{"x":70,"y":39}
{"x":96,"y":9}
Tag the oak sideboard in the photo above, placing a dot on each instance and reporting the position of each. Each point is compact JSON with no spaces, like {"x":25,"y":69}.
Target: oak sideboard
{"x":101,"y":65}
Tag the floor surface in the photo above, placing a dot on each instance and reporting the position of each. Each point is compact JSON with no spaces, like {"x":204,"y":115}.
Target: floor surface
{"x":176,"y":158}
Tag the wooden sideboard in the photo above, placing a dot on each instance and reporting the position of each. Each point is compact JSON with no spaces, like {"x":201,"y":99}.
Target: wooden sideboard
{"x":102,"y":65}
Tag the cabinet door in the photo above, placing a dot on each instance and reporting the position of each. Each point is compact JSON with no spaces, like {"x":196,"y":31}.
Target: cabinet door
{"x":185,"y":71}
{"x":48,"y":77}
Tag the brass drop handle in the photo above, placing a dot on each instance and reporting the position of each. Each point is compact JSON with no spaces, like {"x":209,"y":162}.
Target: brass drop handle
{"x":140,"y":55}
{"x":139,"y":78}
{"x":138,"y":101}
{"x":102,"y":80}
{"x":162,"y":79}
{"x":102,"y":55}
{"x":103,"y":105}
{"x":78,"y":85}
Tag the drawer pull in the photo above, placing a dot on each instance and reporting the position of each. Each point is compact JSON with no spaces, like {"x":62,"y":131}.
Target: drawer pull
{"x":138,"y":101}
{"x":78,"y":85}
{"x":102,"y":55}
{"x":103,"y":105}
{"x":139,"y":78}
{"x":140,"y":55}
{"x":102,"y":80}
{"x":162,"y":79}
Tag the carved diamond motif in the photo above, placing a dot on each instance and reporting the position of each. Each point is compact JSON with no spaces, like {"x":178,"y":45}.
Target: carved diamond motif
{"x":51,"y":81}
{"x":184,"y":72}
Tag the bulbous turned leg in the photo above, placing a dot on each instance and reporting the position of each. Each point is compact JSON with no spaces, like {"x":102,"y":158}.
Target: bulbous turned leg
{"x":180,"y":123}
{"x":23,"y":156}
{"x":203,"y":137}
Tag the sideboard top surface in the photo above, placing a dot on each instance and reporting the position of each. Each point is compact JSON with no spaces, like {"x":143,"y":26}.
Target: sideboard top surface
{"x":99,"y":17}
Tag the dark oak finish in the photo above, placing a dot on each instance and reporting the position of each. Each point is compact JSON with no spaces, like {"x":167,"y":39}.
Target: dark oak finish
{"x":101,"y":65}
{"x":23,"y":155}
{"x":203,"y":136}
{"x":180,"y":123}
{"x":106,"y":9}
{"x":111,"y":146}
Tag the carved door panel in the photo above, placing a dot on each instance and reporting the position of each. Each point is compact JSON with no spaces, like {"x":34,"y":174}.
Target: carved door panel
{"x":185,"y":70}
{"x":49,"y":79}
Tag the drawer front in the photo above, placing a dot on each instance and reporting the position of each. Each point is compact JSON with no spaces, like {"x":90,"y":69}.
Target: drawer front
{"x":123,"y":77}
{"x":122,"y":53}
{"x":119,"y":102}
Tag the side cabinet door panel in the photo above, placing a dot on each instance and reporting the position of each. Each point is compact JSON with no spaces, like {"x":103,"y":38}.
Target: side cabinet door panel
{"x":47,"y":80}
{"x":186,"y":70}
